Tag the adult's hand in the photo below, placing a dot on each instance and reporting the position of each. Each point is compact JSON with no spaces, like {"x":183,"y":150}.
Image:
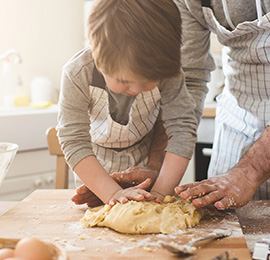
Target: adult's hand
{"x":134,"y":175}
{"x":237,"y":186}
{"x":224,"y":191}
{"x":84,"y":195}
{"x":127,"y":178}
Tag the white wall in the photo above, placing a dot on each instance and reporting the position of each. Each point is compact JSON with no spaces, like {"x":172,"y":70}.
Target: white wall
{"x":45,"y":32}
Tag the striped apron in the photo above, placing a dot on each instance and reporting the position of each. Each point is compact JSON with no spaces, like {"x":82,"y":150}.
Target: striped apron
{"x":128,"y":148}
{"x":243,"y":108}
{"x":116,"y":146}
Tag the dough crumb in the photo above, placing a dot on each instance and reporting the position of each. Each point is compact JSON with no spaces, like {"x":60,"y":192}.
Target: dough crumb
{"x":148,"y":249}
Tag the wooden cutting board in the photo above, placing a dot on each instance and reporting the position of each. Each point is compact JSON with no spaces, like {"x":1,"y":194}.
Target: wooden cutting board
{"x":51,"y":216}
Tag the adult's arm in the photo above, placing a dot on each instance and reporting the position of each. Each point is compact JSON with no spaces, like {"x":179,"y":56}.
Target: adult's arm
{"x":238,"y":185}
{"x":196,"y":60}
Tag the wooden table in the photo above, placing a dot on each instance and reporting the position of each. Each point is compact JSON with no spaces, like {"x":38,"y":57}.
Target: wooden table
{"x":254,"y":219}
{"x":50,"y":215}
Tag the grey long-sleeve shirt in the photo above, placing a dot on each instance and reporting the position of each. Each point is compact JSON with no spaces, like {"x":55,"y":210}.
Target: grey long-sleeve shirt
{"x":176,"y":110}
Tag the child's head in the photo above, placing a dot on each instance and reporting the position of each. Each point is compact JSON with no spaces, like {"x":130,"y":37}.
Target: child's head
{"x":137,"y":37}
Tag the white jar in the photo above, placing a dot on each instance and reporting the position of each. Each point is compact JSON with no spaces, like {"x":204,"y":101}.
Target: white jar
{"x":42,"y":90}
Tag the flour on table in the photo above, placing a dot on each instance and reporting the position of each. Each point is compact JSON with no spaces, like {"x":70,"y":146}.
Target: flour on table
{"x":144,"y":217}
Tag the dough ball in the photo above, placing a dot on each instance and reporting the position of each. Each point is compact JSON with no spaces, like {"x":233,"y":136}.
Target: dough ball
{"x":144,"y":217}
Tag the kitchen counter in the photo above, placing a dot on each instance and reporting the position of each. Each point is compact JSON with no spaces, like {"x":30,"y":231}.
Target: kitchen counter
{"x":33,"y":167}
{"x":26,"y":126}
{"x":49,"y":214}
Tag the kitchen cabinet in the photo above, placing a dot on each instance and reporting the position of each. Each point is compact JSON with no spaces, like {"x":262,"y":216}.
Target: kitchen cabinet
{"x":203,"y":149}
{"x":33,"y":166}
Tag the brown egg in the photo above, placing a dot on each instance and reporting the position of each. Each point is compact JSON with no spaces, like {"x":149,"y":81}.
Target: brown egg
{"x":6,"y":253}
{"x":31,"y":248}
{"x":15,"y":258}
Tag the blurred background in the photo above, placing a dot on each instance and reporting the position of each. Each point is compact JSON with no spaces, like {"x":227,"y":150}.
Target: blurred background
{"x":46,"y":33}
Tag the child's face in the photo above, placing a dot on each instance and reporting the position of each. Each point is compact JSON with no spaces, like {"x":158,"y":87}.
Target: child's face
{"x":127,"y":85}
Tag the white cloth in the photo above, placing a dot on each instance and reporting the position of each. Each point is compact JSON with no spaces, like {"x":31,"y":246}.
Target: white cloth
{"x":243,"y":108}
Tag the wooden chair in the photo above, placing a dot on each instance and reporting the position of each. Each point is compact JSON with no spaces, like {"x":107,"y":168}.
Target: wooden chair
{"x":61,"y":179}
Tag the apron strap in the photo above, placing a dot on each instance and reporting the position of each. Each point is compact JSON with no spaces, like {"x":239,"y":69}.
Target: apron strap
{"x":259,"y":10}
{"x":227,"y":15}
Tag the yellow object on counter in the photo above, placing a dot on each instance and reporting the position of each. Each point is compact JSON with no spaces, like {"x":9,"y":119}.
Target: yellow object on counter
{"x":41,"y":104}
{"x":21,"y":101}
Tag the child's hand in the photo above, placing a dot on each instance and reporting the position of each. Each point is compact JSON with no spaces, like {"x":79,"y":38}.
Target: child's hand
{"x":127,"y":178}
{"x":137,"y":193}
{"x":157,"y":196}
{"x":134,"y":176}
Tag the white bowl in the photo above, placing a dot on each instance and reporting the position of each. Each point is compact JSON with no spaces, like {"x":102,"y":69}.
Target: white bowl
{"x":7,"y":154}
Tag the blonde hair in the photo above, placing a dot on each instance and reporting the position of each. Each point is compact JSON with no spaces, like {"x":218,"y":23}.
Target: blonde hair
{"x":139,"y":36}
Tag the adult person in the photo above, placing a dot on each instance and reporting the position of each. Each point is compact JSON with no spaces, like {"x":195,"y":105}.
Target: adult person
{"x":240,"y":163}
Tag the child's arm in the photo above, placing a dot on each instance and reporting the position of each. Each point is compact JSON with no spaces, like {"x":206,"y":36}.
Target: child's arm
{"x":99,"y":182}
{"x":171,"y":173}
{"x":133,"y":175}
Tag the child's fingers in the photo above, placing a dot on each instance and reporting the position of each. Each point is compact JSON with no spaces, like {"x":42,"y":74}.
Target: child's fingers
{"x":121,"y":200}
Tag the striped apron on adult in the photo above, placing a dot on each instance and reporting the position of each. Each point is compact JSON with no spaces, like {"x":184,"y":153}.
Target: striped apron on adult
{"x":116,"y":146}
{"x":243,"y":108}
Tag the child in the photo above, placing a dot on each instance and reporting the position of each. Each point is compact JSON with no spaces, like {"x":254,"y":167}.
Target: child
{"x":115,"y":91}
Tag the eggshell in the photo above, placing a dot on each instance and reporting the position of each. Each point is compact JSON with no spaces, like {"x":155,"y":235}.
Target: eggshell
{"x":31,"y":248}
{"x":5,"y":253}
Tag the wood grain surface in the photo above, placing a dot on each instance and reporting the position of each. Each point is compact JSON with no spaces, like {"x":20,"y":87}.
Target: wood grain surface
{"x":51,"y":216}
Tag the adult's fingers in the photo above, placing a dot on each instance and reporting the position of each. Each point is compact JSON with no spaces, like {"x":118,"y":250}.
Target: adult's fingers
{"x":82,"y":189}
{"x":184,"y":187}
{"x":198,"y":190}
{"x":134,"y":175}
{"x":207,"y":199}
{"x":95,"y":203}
{"x":80,"y":199}
{"x":144,"y":185}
